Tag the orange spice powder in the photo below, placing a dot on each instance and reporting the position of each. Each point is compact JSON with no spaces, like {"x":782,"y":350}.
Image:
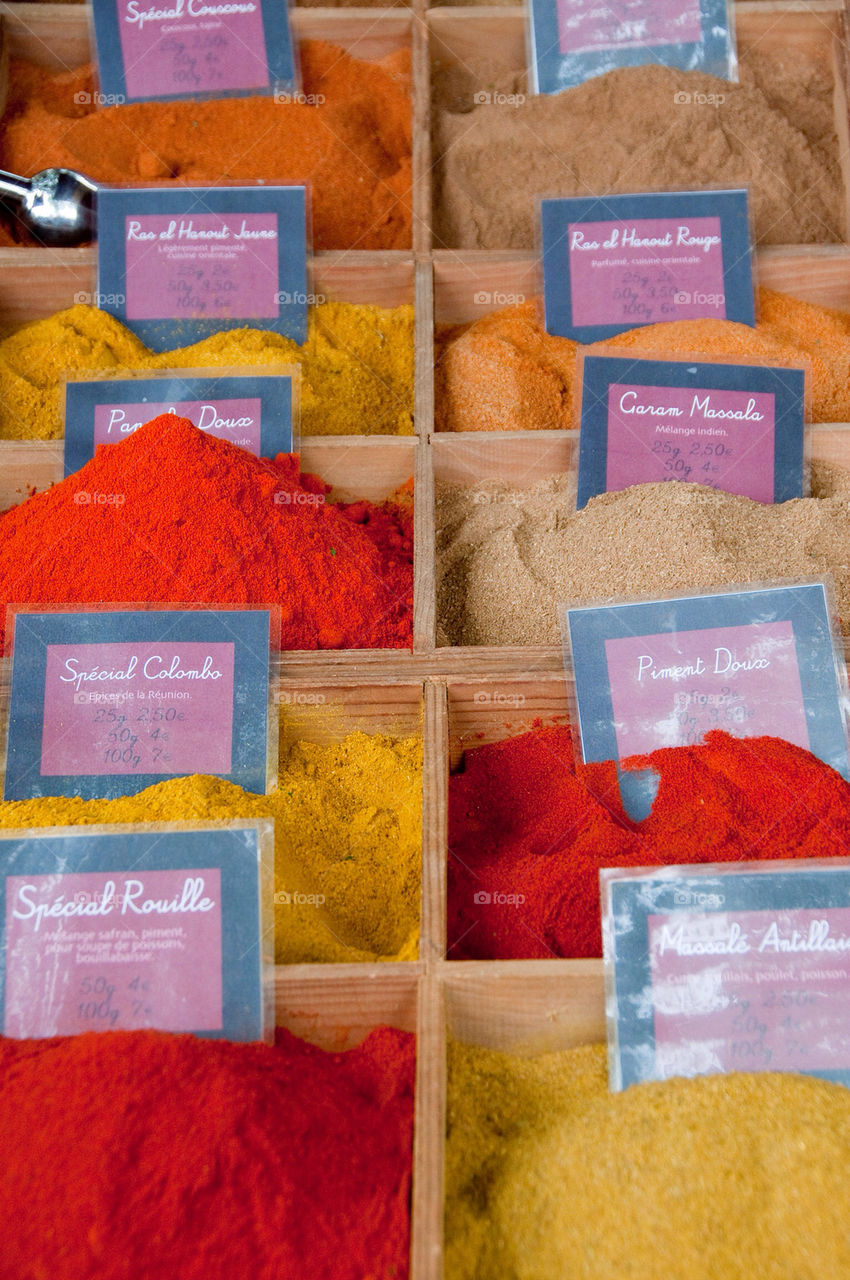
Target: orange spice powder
{"x":505,"y":373}
{"x":352,"y":145}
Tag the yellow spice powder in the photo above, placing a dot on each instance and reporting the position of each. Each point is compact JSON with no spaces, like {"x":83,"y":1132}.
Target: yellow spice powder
{"x":347,"y":841}
{"x":356,"y":366}
{"x":725,"y":1177}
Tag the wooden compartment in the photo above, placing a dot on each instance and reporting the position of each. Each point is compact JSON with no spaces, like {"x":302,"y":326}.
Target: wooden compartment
{"x":356,"y":466}
{"x":463,"y":35}
{"x":524,"y":1008}
{"x":521,"y":459}
{"x":39,"y":282}
{"x":336,"y":1010}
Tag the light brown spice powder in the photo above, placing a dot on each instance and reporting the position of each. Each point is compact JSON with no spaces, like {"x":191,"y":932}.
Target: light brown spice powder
{"x":506,"y":557}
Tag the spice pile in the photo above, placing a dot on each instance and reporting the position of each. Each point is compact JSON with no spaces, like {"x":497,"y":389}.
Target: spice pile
{"x":205,"y":1159}
{"x":506,"y":557}
{"x":505,"y":373}
{"x":352,"y":144}
{"x":548,"y":1174}
{"x":525,"y":831}
{"x":348,"y":841}
{"x":637,"y":129}
{"x":173,"y":515}
{"x":356,"y":366}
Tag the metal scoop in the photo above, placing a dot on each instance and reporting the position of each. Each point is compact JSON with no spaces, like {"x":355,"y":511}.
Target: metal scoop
{"x":56,"y":206}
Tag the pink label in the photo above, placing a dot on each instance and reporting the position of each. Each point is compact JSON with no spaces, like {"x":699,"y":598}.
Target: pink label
{"x":751,"y":990}
{"x":138,"y":708}
{"x":202,"y":266}
{"x":235,"y":420}
{"x":646,"y":271}
{"x":186,"y":47}
{"x":624,"y":24}
{"x":99,"y":951}
{"x":669,"y":690}
{"x":719,"y":438}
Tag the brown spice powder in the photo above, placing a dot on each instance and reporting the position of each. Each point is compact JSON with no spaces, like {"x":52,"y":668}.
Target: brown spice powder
{"x":639,"y":129}
{"x":506,"y":557}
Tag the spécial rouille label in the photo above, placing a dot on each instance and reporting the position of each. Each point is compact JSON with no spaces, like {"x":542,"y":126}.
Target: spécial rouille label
{"x":179,"y":264}
{"x":742,"y":968}
{"x":738,"y":428}
{"x":662,"y":673}
{"x":618,"y":262}
{"x":254,"y":412}
{"x":133,"y":928}
{"x":107,"y":703}
{"x":191,"y":48}
{"x":571,"y":41}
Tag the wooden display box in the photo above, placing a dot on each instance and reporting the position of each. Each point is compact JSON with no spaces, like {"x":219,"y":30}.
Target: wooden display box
{"x":459,"y":36}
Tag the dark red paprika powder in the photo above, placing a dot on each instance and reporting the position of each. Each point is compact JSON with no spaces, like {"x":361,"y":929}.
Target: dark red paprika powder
{"x":141,"y":1155}
{"x":527,"y":838}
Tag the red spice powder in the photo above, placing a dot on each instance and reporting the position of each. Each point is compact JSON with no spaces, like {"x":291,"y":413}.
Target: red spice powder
{"x":527,"y":838}
{"x":133,"y":1155}
{"x":174,"y":515}
{"x":351,"y":140}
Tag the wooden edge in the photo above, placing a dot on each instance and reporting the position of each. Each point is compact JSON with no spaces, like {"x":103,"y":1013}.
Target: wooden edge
{"x":429,"y":1140}
{"x":336,"y":1006}
{"x":841,"y":74}
{"x":525,"y":1006}
{"x":424,"y":554}
{"x":421,"y":133}
{"x":423,"y":374}
{"x":434,"y":823}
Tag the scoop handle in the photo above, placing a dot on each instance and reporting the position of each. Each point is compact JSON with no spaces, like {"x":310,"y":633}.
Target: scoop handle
{"x":11,"y":184}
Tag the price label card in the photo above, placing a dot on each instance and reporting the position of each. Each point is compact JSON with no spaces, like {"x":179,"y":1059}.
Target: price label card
{"x":663,"y":673}
{"x":191,"y":48}
{"x":612,"y":263}
{"x":104,"y":704}
{"x":125,"y":928}
{"x":178,"y":264}
{"x":733,"y":427}
{"x":571,"y":41}
{"x":727,"y":968}
{"x":254,"y":412}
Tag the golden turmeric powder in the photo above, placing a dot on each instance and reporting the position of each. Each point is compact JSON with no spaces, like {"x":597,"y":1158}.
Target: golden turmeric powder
{"x":348,"y":841}
{"x":550,"y":1175}
{"x":505,"y":373}
{"x":356,"y":366}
